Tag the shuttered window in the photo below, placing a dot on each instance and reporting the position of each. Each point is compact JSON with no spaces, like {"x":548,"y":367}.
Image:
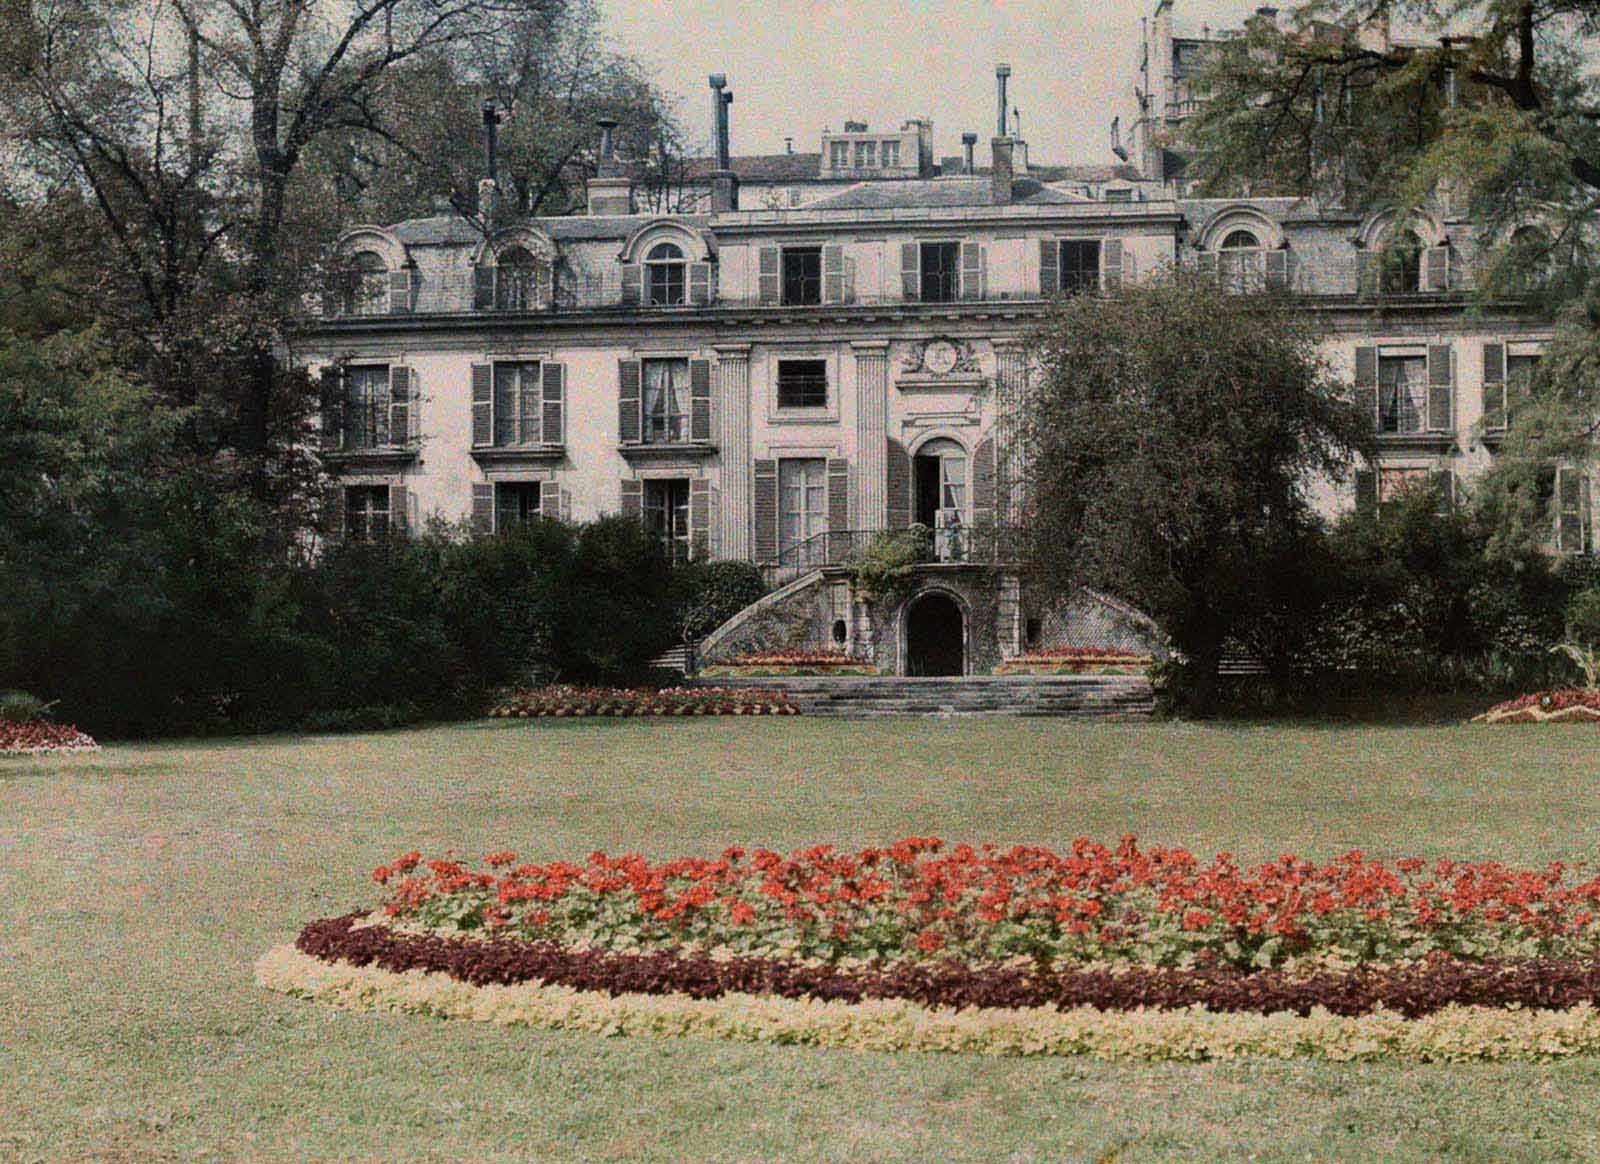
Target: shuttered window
{"x":802,"y":276}
{"x":518,"y":404}
{"x":1080,"y":266}
{"x":802,"y":384}
{"x":666,"y":401}
{"x":366,"y":411}
{"x":666,"y":514}
{"x":366,"y":512}
{"x":940,"y":265}
{"x":1402,"y":393}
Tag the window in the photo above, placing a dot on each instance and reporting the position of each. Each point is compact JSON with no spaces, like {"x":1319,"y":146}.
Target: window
{"x":516,"y":404}
{"x":1119,"y":195}
{"x":1520,"y":370}
{"x":1574,"y":527}
{"x":1402,"y":393}
{"x":366,"y":285}
{"x":941,"y":272}
{"x":866,"y":155}
{"x":1239,"y":261}
{"x":891,"y":155}
{"x":802,"y":275}
{"x":366,"y":412}
{"x":802,"y":384}
{"x":666,"y":401}
{"x":1402,"y":264}
{"x":838,"y":155}
{"x":665,"y":284}
{"x":802,"y":509}
{"x":1080,"y":266}
{"x":666,"y":514}
{"x":366,"y":512}
{"x":940,"y":478}
{"x":516,"y":279}
{"x":517,"y":502}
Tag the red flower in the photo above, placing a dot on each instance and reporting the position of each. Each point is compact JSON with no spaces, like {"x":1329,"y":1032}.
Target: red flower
{"x":382,"y":874}
{"x":929,"y":940}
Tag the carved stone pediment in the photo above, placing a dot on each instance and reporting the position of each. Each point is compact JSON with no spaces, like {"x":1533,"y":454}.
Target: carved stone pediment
{"x":940,"y":357}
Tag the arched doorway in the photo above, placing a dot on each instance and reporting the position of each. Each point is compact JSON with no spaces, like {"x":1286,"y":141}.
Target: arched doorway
{"x":935,"y":636}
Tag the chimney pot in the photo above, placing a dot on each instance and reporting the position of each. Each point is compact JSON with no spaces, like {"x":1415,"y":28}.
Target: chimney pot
{"x":608,"y":150}
{"x":1001,"y":74}
{"x":968,"y":141}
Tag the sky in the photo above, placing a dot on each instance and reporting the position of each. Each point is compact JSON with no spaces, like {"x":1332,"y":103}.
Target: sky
{"x":796,"y":66}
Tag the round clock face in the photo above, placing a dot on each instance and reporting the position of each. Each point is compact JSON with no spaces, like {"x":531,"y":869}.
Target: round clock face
{"x":941,"y":357}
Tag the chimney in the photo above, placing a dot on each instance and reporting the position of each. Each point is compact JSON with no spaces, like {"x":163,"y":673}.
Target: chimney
{"x":611,"y":189}
{"x":1003,"y":175}
{"x":488,"y":188}
{"x":1002,"y":74}
{"x":968,"y":141}
{"x":724,"y":185}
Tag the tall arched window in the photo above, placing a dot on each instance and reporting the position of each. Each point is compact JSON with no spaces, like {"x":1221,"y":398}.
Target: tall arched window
{"x":1402,"y":263}
{"x":366,"y":285}
{"x":666,"y":283}
{"x":516,"y":278}
{"x":1239,"y":261}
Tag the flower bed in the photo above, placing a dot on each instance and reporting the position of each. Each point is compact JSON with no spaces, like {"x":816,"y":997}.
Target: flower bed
{"x":37,"y":737}
{"x":791,"y":663}
{"x":1077,"y":661}
{"x":1571,"y":706}
{"x":615,"y":701}
{"x":1116,"y":952}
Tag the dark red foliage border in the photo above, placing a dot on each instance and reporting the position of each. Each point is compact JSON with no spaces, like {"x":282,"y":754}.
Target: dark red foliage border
{"x":1414,"y":990}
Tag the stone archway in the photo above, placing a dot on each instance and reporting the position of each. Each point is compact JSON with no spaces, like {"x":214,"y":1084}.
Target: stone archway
{"x":935,"y":635}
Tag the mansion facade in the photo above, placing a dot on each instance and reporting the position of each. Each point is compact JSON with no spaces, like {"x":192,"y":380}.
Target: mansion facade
{"x":775,"y":383}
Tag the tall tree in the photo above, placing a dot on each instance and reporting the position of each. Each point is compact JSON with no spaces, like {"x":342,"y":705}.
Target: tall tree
{"x":1486,"y":109}
{"x":1171,"y":441}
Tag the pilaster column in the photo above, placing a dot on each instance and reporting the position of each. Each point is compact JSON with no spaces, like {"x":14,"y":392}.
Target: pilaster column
{"x":733,"y":447}
{"x":1010,"y":387}
{"x":870,"y":508}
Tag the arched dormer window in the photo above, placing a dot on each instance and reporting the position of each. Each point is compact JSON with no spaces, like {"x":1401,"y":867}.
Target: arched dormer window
{"x":666,"y":276}
{"x":1239,"y":261}
{"x":365,"y":285}
{"x":1402,"y":263}
{"x":516,"y":283}
{"x":514,"y":271}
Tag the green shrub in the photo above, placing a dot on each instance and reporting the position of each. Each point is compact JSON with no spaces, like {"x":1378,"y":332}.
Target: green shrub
{"x":20,"y":707}
{"x":1583,"y":617}
{"x":708,"y":594}
{"x":886,"y":569}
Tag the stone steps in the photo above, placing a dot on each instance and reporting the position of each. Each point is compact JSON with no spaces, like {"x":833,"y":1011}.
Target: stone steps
{"x":1077,"y":696}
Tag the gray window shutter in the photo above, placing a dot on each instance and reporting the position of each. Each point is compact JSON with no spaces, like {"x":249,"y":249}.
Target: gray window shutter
{"x":766,"y":510}
{"x":632,"y":499}
{"x":400,"y":291}
{"x":700,"y":518}
{"x":483,"y":288}
{"x":553,"y":424}
{"x":1369,"y":266}
{"x":333,"y":399}
{"x":972,"y":270}
{"x":897,"y":485}
{"x":1111,"y":266}
{"x":769,"y":282}
{"x":401,"y":389}
{"x":1441,"y":389}
{"x":700,"y":284}
{"x":700,"y":400}
{"x":1366,"y":490}
{"x":910,"y":271}
{"x":1436,"y":269}
{"x":550,"y":500}
{"x":983,"y":482}
{"x":632,"y":283}
{"x":1049,"y":266}
{"x":1367,"y":382}
{"x":838,"y":508}
{"x":483,"y":507}
{"x":832,"y":273}
{"x":630,"y":420}
{"x":399,"y":514}
{"x":1494,"y":386}
{"x":482,"y":405}
{"x":1277,"y":264}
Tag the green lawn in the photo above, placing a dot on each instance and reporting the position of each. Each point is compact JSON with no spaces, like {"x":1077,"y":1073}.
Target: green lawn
{"x":138,"y":885}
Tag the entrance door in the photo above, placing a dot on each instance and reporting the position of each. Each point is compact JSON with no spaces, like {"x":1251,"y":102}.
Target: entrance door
{"x":935,"y":642}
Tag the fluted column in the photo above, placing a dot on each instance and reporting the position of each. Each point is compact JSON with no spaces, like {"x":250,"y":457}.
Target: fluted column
{"x":871,"y":502}
{"x":1010,"y":385}
{"x":733,"y":444}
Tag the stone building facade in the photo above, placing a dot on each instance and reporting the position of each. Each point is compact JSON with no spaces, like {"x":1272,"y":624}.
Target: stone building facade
{"x":778,"y":384}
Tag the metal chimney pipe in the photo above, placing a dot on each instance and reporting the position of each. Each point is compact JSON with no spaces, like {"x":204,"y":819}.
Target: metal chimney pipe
{"x":968,"y":141}
{"x":721,"y":100}
{"x":491,"y":134}
{"x":608,"y":144}
{"x":1001,"y":74}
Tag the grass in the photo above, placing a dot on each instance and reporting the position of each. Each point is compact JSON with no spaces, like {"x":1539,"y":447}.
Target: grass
{"x":138,"y":885}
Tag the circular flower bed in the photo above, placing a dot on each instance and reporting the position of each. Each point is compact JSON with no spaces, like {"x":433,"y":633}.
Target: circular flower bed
{"x":616,"y":701}
{"x":37,"y":737}
{"x":1570,"y":706}
{"x":1028,"y":939}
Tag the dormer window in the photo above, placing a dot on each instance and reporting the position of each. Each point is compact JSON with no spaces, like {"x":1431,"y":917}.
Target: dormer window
{"x":838,"y":155}
{"x":1402,"y":264}
{"x":514,"y":272}
{"x":516,"y":280}
{"x":866,"y":155}
{"x":1239,"y":261}
{"x":366,"y":285}
{"x":891,"y":155}
{"x":666,"y":282}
